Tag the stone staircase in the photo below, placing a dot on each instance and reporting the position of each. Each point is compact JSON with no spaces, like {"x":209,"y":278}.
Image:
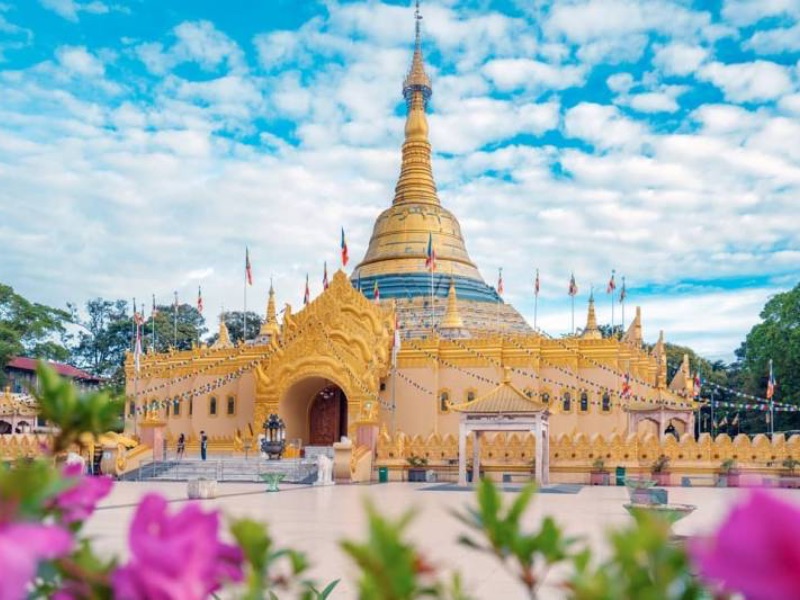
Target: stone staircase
{"x":296,"y":470}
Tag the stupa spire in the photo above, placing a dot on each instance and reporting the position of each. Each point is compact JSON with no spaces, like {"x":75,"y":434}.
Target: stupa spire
{"x":270,"y":325}
{"x":416,"y":182}
{"x":452,"y":318}
{"x":224,"y":338}
{"x":591,"y":331}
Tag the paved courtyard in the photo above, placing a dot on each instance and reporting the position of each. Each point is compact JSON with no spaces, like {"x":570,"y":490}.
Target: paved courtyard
{"x":316,"y":519}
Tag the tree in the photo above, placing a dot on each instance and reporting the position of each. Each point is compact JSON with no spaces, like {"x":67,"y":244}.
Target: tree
{"x":107,"y":332}
{"x":191,"y":327}
{"x":29,"y":329}
{"x":776,"y":338}
{"x":235,"y":324}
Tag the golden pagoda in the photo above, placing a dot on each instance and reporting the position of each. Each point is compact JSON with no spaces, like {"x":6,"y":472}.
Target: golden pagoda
{"x":398,"y":249}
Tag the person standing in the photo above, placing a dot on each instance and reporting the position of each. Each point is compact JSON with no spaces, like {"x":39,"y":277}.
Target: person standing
{"x":203,"y":445}
{"x":181,"y":445}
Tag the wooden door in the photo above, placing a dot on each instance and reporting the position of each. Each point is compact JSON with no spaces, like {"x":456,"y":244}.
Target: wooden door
{"x":324,"y":420}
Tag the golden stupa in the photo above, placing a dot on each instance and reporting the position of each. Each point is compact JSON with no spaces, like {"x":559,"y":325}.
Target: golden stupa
{"x":398,"y":249}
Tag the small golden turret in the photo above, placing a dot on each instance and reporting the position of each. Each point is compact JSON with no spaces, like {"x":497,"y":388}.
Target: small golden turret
{"x":660,"y":354}
{"x":270,"y":324}
{"x":452,"y":318}
{"x":682,"y":381}
{"x":634,"y":333}
{"x":224,"y":338}
{"x":591,"y":331}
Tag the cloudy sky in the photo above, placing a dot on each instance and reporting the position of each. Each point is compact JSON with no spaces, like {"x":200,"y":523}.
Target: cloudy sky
{"x":144,"y":144}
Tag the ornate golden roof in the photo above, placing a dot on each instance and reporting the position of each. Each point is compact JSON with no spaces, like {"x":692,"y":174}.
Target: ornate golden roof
{"x":21,"y":405}
{"x":505,"y":398}
{"x":591,"y":331}
{"x":224,"y":339}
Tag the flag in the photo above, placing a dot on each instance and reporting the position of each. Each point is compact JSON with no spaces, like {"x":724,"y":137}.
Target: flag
{"x":697,"y":385}
{"x":500,"y":281}
{"x":536,"y":284}
{"x":623,"y":292}
{"x":325,"y":276}
{"x":770,"y":382}
{"x":430,"y":254}
{"x":735,"y":422}
{"x":307,"y":294}
{"x":155,"y":310}
{"x":376,"y":293}
{"x":724,"y":421}
{"x":611,"y":283}
{"x":248,"y":270}
{"x":199,"y":299}
{"x":573,"y":287}
{"x":345,"y":255}
{"x":626,"y":386}
{"x":396,"y":340}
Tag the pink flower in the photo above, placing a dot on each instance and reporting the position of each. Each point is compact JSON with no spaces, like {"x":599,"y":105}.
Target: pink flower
{"x":22,"y":547}
{"x":175,"y":557}
{"x":79,"y":501}
{"x":756,"y":551}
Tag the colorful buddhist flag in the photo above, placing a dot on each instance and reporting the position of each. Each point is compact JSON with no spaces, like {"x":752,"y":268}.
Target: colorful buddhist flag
{"x":430,"y":254}
{"x":536,"y":284}
{"x":376,"y":293}
{"x":623,"y":293}
{"x":345,"y":255}
{"x":500,"y":281}
{"x":626,"y":386}
{"x":325,"y":276}
{"x":698,"y":383}
{"x":307,"y":294}
{"x":573,"y":287}
{"x":612,"y":285}
{"x":248,"y":270}
{"x":770,"y":382}
{"x":199,"y":299}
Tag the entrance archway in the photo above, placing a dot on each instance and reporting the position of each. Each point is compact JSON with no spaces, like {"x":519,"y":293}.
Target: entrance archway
{"x":315,"y":411}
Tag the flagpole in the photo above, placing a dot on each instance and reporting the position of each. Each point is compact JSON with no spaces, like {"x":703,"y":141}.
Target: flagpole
{"x":175,"y":323}
{"x":153,"y":317}
{"x":771,"y":402}
{"x":622,"y":305}
{"x":612,"y":303}
{"x":133,"y":339}
{"x":535,"y":310}
{"x":244,"y":314}
{"x":572,"y":332}
{"x":432,"y":309}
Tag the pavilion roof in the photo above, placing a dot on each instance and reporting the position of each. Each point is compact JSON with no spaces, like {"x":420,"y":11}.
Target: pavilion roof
{"x":505,"y":398}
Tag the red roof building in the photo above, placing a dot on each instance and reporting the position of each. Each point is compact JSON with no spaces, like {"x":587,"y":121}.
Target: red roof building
{"x":21,"y":374}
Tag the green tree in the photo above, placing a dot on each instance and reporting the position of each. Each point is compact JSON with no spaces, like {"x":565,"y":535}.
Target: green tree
{"x":235,"y":323}
{"x":106,"y":333}
{"x":776,"y":338}
{"x":191,"y":327}
{"x":30,"y":329}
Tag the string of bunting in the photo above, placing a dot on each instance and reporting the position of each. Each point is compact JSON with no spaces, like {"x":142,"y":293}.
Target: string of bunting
{"x":755,"y":407}
{"x":450,"y":365}
{"x":412,"y":383}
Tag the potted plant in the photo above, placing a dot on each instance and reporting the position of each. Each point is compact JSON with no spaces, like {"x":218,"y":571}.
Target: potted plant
{"x":728,"y":473}
{"x":416,"y":468}
{"x":788,"y":476}
{"x":660,"y":470}
{"x":598,"y":475}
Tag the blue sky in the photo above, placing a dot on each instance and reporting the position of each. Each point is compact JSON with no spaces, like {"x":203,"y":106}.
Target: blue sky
{"x":143,"y":144}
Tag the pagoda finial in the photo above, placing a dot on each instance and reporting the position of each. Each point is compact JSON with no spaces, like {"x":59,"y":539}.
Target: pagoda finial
{"x":416,"y":184}
{"x":270,"y":324}
{"x":452,"y":318}
{"x":224,"y":338}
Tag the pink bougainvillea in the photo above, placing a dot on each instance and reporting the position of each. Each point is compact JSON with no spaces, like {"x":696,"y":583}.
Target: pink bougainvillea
{"x":175,"y":557}
{"x":22,"y":547}
{"x":79,"y":501}
{"x":755,"y":551}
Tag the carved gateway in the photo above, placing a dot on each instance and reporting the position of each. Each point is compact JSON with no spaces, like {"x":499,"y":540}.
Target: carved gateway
{"x":340,"y":336}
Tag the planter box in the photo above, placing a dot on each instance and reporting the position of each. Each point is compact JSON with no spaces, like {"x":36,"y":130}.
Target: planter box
{"x":730,"y":479}
{"x":662,"y":478}
{"x":200,"y":489}
{"x":599,"y":478}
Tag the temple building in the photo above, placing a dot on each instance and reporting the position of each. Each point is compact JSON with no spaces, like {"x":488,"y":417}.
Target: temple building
{"x":414,"y":359}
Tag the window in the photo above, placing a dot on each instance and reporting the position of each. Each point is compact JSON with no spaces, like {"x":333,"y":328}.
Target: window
{"x":132,"y":408}
{"x":470,"y":395}
{"x":166,"y":409}
{"x":231,"y":406}
{"x":176,"y":410}
{"x":212,"y":406}
{"x":566,"y":402}
{"x":584,"y":402}
{"x":444,"y":401}
{"x":606,"y":406}
{"x":191,"y":405}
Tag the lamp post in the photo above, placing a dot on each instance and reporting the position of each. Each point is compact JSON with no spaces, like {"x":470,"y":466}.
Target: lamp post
{"x":274,"y":442}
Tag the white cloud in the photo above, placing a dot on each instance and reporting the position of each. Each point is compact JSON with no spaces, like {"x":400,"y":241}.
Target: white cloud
{"x":748,"y":12}
{"x":69,"y":9}
{"x":653,"y":102}
{"x":749,"y":82}
{"x":603,"y":126}
{"x":775,"y":41}
{"x":620,"y":82}
{"x":78,"y":61}
{"x":679,"y":59}
{"x":198,"y":42}
{"x":519,"y":73}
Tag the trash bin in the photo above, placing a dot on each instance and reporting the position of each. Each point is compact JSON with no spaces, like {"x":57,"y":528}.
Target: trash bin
{"x":383,"y":474}
{"x":620,"y":475}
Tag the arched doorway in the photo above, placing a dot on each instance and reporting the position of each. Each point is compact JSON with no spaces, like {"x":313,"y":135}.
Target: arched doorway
{"x":315,"y":411}
{"x":327,"y":416}
{"x":5,"y":427}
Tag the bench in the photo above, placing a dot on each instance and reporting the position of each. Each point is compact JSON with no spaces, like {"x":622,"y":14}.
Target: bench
{"x":693,"y":480}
